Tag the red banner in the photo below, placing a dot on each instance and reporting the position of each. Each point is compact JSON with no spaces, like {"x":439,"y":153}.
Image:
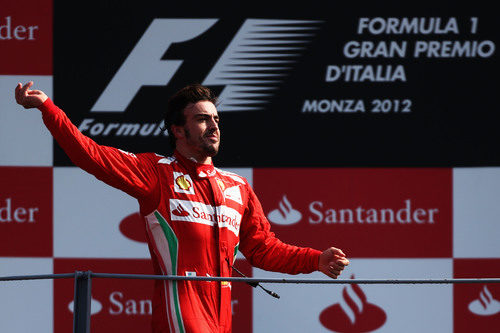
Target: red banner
{"x":383,"y":213}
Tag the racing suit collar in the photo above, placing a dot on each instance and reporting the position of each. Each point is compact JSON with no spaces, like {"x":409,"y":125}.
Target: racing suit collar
{"x":196,"y":169}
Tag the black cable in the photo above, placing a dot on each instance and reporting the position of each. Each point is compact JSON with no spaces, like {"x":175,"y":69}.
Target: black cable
{"x":253,"y":284}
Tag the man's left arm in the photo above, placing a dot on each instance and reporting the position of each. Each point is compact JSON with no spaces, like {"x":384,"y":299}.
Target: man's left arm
{"x":262,"y":249}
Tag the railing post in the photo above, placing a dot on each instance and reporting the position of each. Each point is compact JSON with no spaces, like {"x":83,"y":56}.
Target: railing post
{"x":81,"y":308}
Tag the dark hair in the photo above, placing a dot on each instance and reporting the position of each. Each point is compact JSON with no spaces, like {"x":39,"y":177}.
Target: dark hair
{"x":174,"y":114}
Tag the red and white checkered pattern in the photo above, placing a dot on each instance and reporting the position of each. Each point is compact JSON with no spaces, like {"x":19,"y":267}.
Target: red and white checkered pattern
{"x":392,"y":223}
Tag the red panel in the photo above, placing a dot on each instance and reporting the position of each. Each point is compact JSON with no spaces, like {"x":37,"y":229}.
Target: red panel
{"x":118,"y":305}
{"x":26,"y":212}
{"x":476,"y":306}
{"x":118,"y":302}
{"x":26,"y":37}
{"x":241,"y":301}
{"x":370,"y":213}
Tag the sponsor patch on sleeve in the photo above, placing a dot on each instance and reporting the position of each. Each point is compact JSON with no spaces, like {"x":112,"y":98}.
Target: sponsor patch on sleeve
{"x":233,"y":193}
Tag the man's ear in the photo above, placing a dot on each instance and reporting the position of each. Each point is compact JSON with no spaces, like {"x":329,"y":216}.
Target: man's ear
{"x":178,"y":131}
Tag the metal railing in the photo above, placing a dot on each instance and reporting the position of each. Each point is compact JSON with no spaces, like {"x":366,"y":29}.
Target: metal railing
{"x":83,"y":286}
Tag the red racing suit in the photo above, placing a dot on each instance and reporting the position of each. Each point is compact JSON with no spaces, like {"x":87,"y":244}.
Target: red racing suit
{"x":196,"y":218}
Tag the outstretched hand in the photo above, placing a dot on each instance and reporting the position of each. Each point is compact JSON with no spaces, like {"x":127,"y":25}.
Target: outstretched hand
{"x":29,"y":98}
{"x":332,"y":262}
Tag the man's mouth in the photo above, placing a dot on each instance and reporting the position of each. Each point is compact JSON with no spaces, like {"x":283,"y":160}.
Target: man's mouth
{"x":213,"y":137}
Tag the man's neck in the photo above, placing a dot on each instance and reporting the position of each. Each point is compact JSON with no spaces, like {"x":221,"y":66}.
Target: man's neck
{"x":198,"y":158}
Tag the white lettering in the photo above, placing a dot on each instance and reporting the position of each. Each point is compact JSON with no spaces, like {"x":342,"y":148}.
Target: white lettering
{"x":332,"y":73}
{"x":417,"y":214}
{"x":18,"y":214}
{"x":18,"y":31}
{"x":84,"y":126}
{"x":32,"y":32}
{"x":110,"y":127}
{"x":431,"y":213}
{"x":361,"y":215}
{"x":403,"y":215}
{"x":146,"y":307}
{"x":454,"y":49}
{"x":407,"y":25}
{"x":362,"y":73}
{"x":113,"y":299}
{"x":128,"y":129}
{"x":96,"y":129}
{"x":341,"y":106}
{"x":131,"y":306}
{"x":224,"y":216}
{"x":389,"y":212}
{"x":233,"y":304}
{"x":316,"y":212}
{"x":117,"y":129}
{"x":368,"y":49}
{"x":32,"y":212}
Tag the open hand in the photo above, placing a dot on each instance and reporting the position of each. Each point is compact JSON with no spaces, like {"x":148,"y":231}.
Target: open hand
{"x":332,"y":262}
{"x":29,"y":98}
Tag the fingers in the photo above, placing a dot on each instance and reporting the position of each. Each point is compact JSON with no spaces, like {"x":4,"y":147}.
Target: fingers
{"x":333,"y":276}
{"x":29,"y":98}
{"x":337,"y":252}
{"x":22,"y":91}
{"x":18,"y":91}
{"x":334,"y":269}
{"x":342,"y":261}
{"x":25,"y":88}
{"x":332,"y":262}
{"x":337,"y":266}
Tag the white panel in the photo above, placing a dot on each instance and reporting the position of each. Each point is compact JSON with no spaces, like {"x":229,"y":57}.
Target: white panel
{"x":26,"y":306}
{"x":409,"y":308}
{"x":24,"y":140}
{"x":87,"y":216}
{"x":476,"y":212}
{"x":246,"y":173}
{"x":243,"y":172}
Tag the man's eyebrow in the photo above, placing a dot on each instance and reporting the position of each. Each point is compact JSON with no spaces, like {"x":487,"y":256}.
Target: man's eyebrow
{"x":205,"y":115}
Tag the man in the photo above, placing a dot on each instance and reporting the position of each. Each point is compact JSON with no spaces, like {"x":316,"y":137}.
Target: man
{"x":197,"y":217}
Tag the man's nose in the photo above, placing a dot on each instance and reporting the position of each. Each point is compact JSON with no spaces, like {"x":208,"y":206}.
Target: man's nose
{"x":213,"y":123}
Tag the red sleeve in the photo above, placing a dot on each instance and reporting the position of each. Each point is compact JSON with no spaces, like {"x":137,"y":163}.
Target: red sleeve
{"x":264,"y":250}
{"x":134,"y":174}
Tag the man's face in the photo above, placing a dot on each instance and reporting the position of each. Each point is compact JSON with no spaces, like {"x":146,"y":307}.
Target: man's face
{"x":201,"y":130}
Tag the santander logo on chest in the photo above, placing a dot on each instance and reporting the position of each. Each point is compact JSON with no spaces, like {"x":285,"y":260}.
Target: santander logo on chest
{"x":197,"y":212}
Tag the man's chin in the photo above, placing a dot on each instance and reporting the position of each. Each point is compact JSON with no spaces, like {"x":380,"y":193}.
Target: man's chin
{"x":211,"y":150}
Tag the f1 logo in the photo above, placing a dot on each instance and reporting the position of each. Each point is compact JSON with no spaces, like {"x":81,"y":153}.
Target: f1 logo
{"x":251,"y":67}
{"x":144,"y":66}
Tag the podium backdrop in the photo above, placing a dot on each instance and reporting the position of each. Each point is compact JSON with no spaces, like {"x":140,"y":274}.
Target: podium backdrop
{"x":370,"y":126}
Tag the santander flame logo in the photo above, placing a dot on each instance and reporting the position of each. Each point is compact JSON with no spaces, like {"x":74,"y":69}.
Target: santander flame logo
{"x":353,"y":314}
{"x":180,"y":211}
{"x":95,"y":306}
{"x":285,"y":214}
{"x":486,"y":305}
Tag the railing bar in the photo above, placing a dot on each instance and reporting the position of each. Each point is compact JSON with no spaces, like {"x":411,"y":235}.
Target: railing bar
{"x":38,"y":277}
{"x":253,"y":280}
{"x":275,"y":280}
{"x":82,"y":301}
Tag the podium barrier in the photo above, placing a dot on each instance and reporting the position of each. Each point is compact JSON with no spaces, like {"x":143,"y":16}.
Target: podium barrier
{"x":83,"y":286}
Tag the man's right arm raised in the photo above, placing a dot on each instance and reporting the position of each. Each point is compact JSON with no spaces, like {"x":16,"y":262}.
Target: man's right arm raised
{"x":130,"y":173}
